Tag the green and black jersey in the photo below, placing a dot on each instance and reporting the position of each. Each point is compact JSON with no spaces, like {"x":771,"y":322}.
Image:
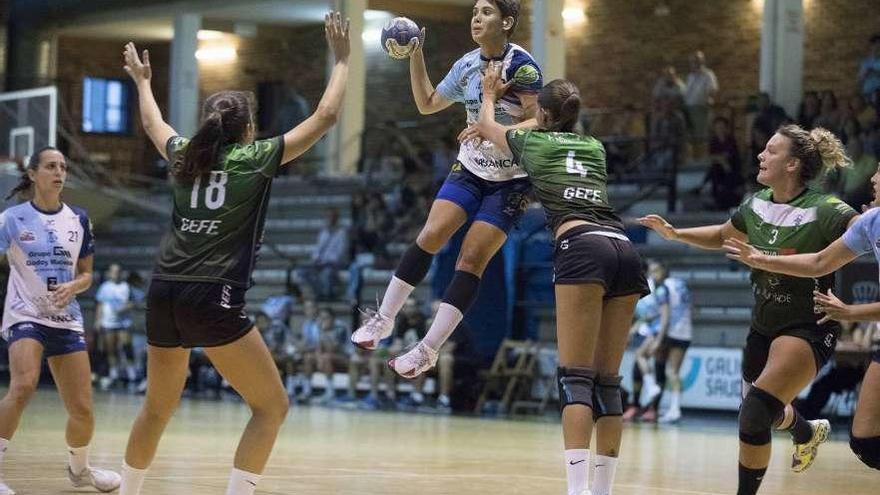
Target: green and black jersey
{"x":806,"y":224}
{"x":218,"y":219}
{"x":568,"y":173}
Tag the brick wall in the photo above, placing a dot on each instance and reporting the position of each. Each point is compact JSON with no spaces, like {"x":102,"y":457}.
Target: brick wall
{"x":837,"y":39}
{"x":616,"y":55}
{"x":614,"y":58}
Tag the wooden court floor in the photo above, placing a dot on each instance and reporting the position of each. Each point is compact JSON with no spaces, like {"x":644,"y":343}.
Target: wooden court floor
{"x":331,"y":451}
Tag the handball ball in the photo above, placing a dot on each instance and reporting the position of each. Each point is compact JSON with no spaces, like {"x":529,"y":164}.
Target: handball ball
{"x":396,"y":36}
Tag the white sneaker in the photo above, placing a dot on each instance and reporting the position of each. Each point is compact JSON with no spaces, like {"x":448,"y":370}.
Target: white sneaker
{"x":671,"y":416}
{"x":4,"y":488}
{"x":652,"y":391}
{"x":416,"y":361}
{"x":377,"y":327}
{"x":102,"y":479}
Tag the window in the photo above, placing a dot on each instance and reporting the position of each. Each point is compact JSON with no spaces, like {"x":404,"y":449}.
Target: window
{"x":105,"y":106}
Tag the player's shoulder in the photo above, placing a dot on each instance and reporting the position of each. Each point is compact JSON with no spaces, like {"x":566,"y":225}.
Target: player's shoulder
{"x":469,"y":59}
{"x":518,"y":55}
{"x":871,"y":218}
{"x":829,"y":203}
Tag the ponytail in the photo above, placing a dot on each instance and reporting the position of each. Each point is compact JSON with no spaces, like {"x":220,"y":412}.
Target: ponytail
{"x":225,"y":119}
{"x":203,"y":150}
{"x":25,"y":182}
{"x":818,"y":150}
{"x":562,"y":101}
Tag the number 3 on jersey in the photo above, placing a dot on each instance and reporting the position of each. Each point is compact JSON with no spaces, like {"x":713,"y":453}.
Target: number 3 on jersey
{"x":573,"y":166}
{"x":215,"y":192}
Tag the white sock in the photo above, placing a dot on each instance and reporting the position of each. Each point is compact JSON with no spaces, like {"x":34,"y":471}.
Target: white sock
{"x":242,"y":482}
{"x":675,"y":401}
{"x":603,"y":474}
{"x":649,"y":380}
{"x":447,"y":319}
{"x":577,"y":470}
{"x":4,"y":444}
{"x":395,"y":295}
{"x":78,"y":458}
{"x":132,"y":480}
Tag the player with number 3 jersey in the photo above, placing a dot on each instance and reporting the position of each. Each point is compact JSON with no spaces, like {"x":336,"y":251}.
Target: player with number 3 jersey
{"x":221,"y":182}
{"x":788,"y":343}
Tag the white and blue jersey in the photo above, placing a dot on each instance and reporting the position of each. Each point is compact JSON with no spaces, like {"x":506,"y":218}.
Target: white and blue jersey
{"x":42,"y":249}
{"x":676,"y":294}
{"x":864,"y":237}
{"x":463,"y":84}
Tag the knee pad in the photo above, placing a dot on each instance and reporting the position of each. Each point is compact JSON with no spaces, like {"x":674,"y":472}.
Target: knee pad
{"x":606,"y":397}
{"x":867,"y":450}
{"x":757,"y":415}
{"x":575,"y":386}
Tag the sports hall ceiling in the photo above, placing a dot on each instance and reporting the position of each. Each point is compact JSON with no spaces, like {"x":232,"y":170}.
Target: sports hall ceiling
{"x":155,"y":22}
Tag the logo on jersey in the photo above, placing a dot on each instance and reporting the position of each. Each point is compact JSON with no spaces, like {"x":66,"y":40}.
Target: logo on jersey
{"x":60,"y":251}
{"x":563,"y":245}
{"x":829,"y":340}
{"x":526,"y":75}
{"x":27,"y":236}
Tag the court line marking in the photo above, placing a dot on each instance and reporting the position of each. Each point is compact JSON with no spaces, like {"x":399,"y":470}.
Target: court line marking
{"x":389,"y":474}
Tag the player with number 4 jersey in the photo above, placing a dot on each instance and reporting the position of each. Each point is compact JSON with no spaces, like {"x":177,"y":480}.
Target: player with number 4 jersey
{"x":596,"y":270}
{"x":221,"y":179}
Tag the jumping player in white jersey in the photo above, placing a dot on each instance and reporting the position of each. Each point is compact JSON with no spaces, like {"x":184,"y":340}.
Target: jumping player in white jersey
{"x":485,"y":184}
{"x":50,"y":251}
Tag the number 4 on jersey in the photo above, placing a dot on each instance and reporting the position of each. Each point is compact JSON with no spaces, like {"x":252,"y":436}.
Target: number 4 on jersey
{"x":573,"y":166}
{"x":215,"y":192}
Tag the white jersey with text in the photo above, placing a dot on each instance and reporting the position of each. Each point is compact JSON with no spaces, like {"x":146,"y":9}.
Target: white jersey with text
{"x":463,"y":84}
{"x":42,"y":249}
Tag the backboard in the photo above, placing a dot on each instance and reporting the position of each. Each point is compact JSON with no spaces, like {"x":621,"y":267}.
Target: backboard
{"x":28,"y":121}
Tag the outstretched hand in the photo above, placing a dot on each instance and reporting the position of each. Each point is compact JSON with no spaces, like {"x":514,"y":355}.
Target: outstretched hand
{"x":468,"y":133}
{"x":138,"y":70}
{"x":744,"y":252}
{"x":834,"y":308}
{"x":660,"y":225}
{"x":337,"y":33}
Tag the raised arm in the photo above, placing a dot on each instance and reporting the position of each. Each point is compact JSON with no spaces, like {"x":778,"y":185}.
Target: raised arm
{"x":141,"y":73}
{"x":302,"y":137}
{"x":826,"y":261}
{"x":487,"y":127}
{"x":428,"y":100}
{"x":707,"y":237}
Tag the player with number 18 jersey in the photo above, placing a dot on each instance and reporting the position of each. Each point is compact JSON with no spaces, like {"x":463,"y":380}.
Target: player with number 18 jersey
{"x":206,"y":260}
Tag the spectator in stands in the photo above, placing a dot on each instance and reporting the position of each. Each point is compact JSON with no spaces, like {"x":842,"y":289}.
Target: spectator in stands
{"x":829,"y":116}
{"x":869,"y":71}
{"x":864,"y":114}
{"x":625,"y":140}
{"x":333,"y":350}
{"x":809,"y":111}
{"x":725,"y":172}
{"x":301,"y":350}
{"x":699,"y":95}
{"x":371,"y":224}
{"x":137,"y":297}
{"x":844,"y":372}
{"x":113,"y":300}
{"x":768,"y":115}
{"x":669,"y":87}
{"x":444,"y":153}
{"x":666,"y":137}
{"x":854,"y":185}
{"x":329,"y":255}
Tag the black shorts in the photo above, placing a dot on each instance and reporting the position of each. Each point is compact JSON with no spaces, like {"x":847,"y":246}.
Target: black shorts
{"x":670,"y":343}
{"x":195,"y":314}
{"x":823,"y":342}
{"x":588,"y":254}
